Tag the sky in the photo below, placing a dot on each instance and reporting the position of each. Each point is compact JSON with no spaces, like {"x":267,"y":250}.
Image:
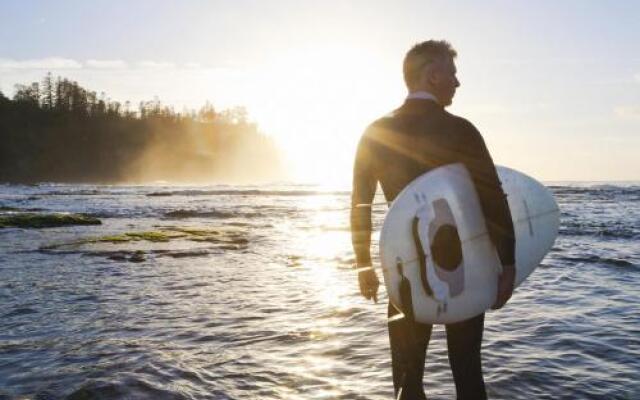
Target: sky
{"x":554,"y":87}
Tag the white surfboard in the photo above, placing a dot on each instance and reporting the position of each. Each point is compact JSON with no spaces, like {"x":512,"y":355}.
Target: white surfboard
{"x":442,"y":206}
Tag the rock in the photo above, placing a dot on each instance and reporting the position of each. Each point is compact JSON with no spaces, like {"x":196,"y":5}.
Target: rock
{"x":183,"y":214}
{"x":118,"y":257}
{"x":223,"y":237}
{"x":34,"y":220}
{"x":137,"y":257}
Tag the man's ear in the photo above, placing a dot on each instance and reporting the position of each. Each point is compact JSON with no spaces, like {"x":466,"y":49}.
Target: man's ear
{"x":432,"y":74}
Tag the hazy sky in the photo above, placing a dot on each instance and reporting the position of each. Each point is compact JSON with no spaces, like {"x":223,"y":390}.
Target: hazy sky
{"x":553,"y":86}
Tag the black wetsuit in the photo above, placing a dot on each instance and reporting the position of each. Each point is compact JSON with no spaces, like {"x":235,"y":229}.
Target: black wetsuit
{"x":394,"y":150}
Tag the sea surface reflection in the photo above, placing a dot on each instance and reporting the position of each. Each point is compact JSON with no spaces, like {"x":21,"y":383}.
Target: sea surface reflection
{"x":269,"y":308}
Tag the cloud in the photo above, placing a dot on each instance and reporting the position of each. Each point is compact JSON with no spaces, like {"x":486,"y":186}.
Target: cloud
{"x":106,"y":64}
{"x":637,"y":76}
{"x":61,"y":63}
{"x":628,"y":112}
{"x":489,"y":108}
{"x":155,"y":65}
{"x":51,"y":63}
{"x":507,"y":109}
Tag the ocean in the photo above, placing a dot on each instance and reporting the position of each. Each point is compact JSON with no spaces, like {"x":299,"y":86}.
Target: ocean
{"x":248,"y":292}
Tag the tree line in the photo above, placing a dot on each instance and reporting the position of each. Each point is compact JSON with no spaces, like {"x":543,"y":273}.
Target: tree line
{"x":57,"y":131}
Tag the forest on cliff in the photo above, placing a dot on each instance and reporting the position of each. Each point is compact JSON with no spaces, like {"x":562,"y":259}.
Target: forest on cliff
{"x":57,"y":131}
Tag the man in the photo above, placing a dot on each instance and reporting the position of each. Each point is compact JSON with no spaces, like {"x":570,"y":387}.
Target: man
{"x":394,"y":150}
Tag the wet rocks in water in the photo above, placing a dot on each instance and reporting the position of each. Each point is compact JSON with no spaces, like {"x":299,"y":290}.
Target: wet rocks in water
{"x":150,"y":236}
{"x":224,"y":239}
{"x":8,"y":208}
{"x":123,"y":255}
{"x":137,"y":256}
{"x":160,"y":194}
{"x":184,"y":253}
{"x":33,"y":220}
{"x":118,"y":256}
{"x":182,"y":214}
{"x":293,"y":260}
{"x":221,"y":235}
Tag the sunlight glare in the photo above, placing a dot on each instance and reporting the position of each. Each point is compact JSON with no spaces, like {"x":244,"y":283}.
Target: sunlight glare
{"x":317,"y":101}
{"x":326,"y":242}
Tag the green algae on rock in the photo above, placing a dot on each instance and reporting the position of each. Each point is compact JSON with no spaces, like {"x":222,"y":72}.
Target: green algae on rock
{"x":230,"y":239}
{"x":9,"y":208}
{"x":33,"y":220}
{"x":151,"y":236}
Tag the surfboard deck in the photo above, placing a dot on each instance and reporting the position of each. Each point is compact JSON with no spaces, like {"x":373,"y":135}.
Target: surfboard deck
{"x":438,"y":213}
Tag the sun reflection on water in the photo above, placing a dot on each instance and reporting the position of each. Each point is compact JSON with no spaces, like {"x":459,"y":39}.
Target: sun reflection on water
{"x":324,"y":246}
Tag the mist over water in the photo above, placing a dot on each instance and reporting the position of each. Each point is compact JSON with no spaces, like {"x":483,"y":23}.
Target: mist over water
{"x":57,"y":131}
{"x":272,"y":310}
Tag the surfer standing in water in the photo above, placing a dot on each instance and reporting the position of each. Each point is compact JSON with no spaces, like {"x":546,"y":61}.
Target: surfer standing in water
{"x":394,"y":150}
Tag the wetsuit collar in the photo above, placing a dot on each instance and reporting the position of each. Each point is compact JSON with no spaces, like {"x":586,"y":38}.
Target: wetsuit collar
{"x":421,"y":94}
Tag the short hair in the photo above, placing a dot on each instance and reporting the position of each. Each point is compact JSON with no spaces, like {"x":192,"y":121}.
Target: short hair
{"x":423,"y":54}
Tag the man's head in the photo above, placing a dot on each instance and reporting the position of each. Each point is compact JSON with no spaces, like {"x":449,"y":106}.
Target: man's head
{"x":429,"y":66}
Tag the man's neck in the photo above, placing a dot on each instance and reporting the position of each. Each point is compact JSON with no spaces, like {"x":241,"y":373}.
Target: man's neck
{"x":421,"y":94}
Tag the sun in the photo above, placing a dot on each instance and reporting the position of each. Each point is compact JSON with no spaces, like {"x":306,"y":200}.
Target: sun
{"x":316,"y":102}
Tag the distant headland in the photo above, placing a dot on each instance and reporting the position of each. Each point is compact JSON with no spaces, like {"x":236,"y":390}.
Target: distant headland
{"x":57,"y":131}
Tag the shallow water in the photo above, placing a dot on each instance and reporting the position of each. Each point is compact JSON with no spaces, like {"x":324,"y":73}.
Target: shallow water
{"x":281,"y":317}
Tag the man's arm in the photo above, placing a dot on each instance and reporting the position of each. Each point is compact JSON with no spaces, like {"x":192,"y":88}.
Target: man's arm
{"x":364,"y":189}
{"x":495,"y":208}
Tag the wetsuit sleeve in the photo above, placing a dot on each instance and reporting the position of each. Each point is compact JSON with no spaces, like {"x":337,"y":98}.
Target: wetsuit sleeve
{"x":363,"y":191}
{"x":493,"y":200}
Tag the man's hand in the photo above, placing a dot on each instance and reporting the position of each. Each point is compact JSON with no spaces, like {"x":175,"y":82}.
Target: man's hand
{"x":369,"y":284}
{"x":505,"y":286}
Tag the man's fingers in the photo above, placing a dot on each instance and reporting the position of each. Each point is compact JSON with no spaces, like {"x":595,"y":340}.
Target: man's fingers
{"x":373,"y":288}
{"x":369,"y":284}
{"x":498,"y":304}
{"x":501,"y":299}
{"x":366,"y":292}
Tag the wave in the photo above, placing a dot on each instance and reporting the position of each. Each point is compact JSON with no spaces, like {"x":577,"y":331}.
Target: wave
{"x":249,"y":192}
{"x":19,"y":311}
{"x":127,"y":387}
{"x":4,"y":208}
{"x":593,"y":259}
{"x":76,"y":192}
{"x":597,"y":192}
{"x":600,"y":231}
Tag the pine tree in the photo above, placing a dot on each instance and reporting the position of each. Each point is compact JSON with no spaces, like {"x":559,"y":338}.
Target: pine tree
{"x":47,"y":100}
